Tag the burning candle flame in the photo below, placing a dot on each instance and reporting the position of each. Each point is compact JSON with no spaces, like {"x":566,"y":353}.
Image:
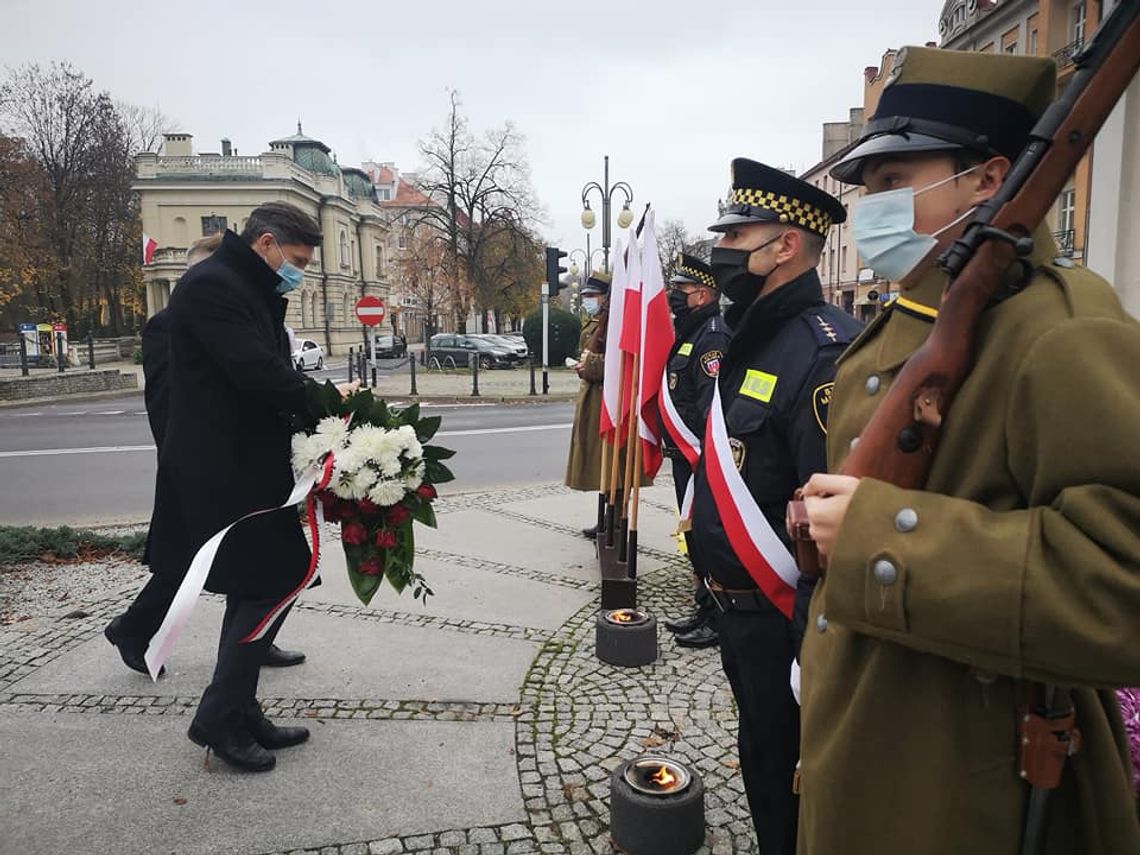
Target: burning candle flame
{"x":663,"y":777}
{"x":623,"y":616}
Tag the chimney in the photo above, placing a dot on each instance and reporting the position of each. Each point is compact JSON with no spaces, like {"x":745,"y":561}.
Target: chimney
{"x":227,"y":151}
{"x":177,"y":145}
{"x":932,"y":44}
{"x":870,"y":72}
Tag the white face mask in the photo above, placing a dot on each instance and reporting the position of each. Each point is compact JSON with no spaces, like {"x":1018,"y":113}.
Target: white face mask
{"x":883,"y":227}
{"x":591,"y":305}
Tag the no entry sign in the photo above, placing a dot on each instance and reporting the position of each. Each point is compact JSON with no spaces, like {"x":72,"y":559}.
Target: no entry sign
{"x":370,"y":310}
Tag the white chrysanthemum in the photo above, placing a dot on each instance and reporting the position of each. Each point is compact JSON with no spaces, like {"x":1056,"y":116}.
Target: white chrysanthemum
{"x":300,"y":452}
{"x":333,"y":431}
{"x":415,"y":478}
{"x":366,"y":476}
{"x":389,"y":465}
{"x":387,"y":492}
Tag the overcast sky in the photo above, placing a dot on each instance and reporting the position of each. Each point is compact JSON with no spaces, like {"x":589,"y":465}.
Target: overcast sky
{"x":671,"y":90}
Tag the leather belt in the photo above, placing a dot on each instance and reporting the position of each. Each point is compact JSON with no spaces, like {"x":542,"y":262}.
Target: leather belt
{"x":738,"y":599}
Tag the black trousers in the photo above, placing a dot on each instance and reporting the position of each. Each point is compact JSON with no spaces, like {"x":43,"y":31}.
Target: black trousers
{"x":232,"y":693}
{"x":756,"y":650}
{"x":144,"y":616}
{"x":681,"y":473}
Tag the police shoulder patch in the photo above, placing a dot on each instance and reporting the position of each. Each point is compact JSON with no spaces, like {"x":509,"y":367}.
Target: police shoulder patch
{"x":739,"y":452}
{"x":686,"y":349}
{"x":820,"y":401}
{"x":710,"y":362}
{"x":672,"y":380}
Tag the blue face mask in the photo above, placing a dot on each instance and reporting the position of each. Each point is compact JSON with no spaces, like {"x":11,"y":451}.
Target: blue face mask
{"x":883,"y":228}
{"x":292,"y":276}
{"x":591,"y":305}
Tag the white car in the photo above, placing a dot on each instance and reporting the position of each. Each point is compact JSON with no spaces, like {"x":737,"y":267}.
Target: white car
{"x":308,"y":354}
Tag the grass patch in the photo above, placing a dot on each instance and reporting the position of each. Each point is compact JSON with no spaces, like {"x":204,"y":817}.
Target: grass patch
{"x":65,"y":545}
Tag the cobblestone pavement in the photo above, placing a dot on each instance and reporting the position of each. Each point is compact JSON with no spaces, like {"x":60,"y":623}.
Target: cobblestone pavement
{"x":574,"y":718}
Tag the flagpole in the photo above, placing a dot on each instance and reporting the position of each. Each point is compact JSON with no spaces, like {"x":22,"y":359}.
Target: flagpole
{"x":602,"y":488}
{"x":631,"y":558}
{"x":615,"y":461}
{"x":630,"y":453}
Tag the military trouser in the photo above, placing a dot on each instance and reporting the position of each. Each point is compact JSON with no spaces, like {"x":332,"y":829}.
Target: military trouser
{"x":756,"y":652}
{"x":681,"y":474}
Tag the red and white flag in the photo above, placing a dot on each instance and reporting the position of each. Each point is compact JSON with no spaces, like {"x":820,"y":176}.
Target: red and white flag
{"x":630,"y":340}
{"x":612,"y":414}
{"x":656,"y":341}
{"x":149,"y":246}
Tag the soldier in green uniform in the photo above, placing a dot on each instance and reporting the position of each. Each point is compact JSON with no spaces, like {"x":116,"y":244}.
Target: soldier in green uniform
{"x":694,"y":362}
{"x":1020,"y":560}
{"x":583,"y":468}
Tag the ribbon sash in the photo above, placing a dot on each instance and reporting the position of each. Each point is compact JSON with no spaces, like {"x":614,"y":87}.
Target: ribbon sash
{"x":683,"y":438}
{"x":314,"y":478}
{"x":753,"y":540}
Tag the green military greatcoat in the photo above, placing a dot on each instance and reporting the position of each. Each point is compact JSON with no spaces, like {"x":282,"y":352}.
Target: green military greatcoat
{"x":1022,"y":560}
{"x":584,"y":464}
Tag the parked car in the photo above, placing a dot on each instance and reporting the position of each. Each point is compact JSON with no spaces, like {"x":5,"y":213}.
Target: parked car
{"x":391,"y":346}
{"x":308,"y":354}
{"x":516,"y":345}
{"x":453,"y":350}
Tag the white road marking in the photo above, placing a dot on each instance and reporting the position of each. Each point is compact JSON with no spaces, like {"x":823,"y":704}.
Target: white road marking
{"x":122,"y":449}
{"x":110,"y":413}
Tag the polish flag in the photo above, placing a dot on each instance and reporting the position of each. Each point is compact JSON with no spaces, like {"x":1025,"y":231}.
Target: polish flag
{"x":656,"y":341}
{"x":631,"y":310}
{"x":149,"y":246}
{"x":612,"y":415}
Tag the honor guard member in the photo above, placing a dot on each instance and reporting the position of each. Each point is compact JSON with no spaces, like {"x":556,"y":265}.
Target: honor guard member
{"x":765,"y":432}
{"x":694,"y":362}
{"x":583,"y":467}
{"x":1019,"y":561}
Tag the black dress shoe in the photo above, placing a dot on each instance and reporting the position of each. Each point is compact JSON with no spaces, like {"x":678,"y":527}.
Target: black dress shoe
{"x":271,"y":736}
{"x":703,"y":636}
{"x":590,"y":533}
{"x":132,"y":650}
{"x":275,"y":657}
{"x":682,"y":626}
{"x":236,"y":747}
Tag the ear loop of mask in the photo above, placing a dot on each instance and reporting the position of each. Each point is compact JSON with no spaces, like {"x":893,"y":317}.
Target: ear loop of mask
{"x":968,"y":212}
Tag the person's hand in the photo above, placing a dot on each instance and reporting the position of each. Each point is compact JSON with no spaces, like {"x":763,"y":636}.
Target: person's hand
{"x":826,"y":498}
{"x":347,"y":389}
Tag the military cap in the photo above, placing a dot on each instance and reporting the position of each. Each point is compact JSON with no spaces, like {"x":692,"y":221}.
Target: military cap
{"x":598,"y":283}
{"x":761,"y":194}
{"x":691,"y":269}
{"x":946,"y":100}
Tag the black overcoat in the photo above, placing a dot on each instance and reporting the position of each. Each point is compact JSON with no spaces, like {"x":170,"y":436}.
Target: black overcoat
{"x":226,"y":448}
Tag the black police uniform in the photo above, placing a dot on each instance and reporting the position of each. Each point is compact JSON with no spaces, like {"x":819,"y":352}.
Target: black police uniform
{"x":694,"y":361}
{"x":793,"y":336}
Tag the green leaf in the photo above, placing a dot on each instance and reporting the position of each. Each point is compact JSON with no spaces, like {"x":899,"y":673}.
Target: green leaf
{"x":424,"y":513}
{"x":378,"y":414}
{"x":365,"y":587}
{"x":437,"y":473}
{"x":410,"y":415}
{"x":437,"y":452}
{"x":426,"y":427}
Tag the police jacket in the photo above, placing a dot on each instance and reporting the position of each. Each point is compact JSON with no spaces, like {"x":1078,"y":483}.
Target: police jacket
{"x":694,"y":362}
{"x":775,"y":385}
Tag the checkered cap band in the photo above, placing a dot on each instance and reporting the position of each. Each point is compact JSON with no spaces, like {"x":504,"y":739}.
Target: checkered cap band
{"x":697,"y":275}
{"x":789,"y":209}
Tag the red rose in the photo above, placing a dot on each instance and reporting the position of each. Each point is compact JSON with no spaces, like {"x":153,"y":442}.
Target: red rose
{"x":371,"y":567}
{"x":385,"y":539}
{"x":368,"y":507}
{"x":353,"y":533}
{"x":426,"y":491}
{"x":345,"y":509}
{"x":398,"y":515}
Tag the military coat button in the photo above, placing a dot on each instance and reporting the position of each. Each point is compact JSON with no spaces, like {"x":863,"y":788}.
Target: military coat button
{"x":821,"y":623}
{"x":906,"y":520}
{"x":872,"y":384}
{"x":885,"y":572}
{"x":854,"y":442}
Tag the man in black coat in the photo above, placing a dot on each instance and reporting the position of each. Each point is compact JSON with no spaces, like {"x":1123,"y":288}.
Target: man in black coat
{"x":226,"y":453}
{"x":774,"y":386}
{"x":131,"y":631}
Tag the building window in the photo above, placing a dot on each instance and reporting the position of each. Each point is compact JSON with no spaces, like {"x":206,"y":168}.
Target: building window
{"x":843,"y":260}
{"x":1033,"y":42}
{"x":384,"y":194}
{"x":402,"y":240}
{"x":1080,"y":17}
{"x":988,"y":47}
{"x":353,"y":250}
{"x":1009,"y":41}
{"x":211,"y":225}
{"x":1067,"y":209}
{"x":343,"y":249}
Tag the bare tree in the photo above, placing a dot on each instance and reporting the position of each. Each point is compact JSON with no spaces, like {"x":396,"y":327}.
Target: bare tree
{"x":672,"y":240}
{"x":145,"y":126}
{"x":424,"y":274}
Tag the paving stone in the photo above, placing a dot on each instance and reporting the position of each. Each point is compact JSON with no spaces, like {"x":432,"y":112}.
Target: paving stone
{"x":385,"y":847}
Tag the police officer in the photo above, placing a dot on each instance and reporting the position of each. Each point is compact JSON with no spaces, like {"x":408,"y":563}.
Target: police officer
{"x":694,"y":361}
{"x":1018,"y":564}
{"x":766,"y":432}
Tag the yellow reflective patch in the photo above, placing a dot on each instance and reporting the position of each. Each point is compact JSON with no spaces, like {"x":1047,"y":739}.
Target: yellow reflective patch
{"x":758,"y":385}
{"x":686,"y":349}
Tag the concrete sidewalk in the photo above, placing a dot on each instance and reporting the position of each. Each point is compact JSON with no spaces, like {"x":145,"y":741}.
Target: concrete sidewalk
{"x":479,"y":723}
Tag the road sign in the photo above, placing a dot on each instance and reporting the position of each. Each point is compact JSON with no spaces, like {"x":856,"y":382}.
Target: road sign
{"x":370,"y":310}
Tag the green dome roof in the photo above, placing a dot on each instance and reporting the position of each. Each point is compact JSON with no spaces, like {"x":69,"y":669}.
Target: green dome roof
{"x":308,"y":153}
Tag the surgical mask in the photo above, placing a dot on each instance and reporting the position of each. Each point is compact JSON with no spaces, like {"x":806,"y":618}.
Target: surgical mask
{"x":591,"y":305}
{"x":883,"y":228}
{"x":291,"y":275}
{"x":733,"y":278}
{"x":679,"y":303}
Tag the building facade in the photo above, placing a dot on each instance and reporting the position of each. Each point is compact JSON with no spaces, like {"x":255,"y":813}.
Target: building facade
{"x":185,"y":196}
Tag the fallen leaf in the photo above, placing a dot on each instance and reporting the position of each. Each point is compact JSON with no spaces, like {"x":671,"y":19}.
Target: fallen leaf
{"x":180,"y":800}
{"x":730,"y":764}
{"x":652,"y":741}
{"x":517,"y":711}
{"x":310,"y":713}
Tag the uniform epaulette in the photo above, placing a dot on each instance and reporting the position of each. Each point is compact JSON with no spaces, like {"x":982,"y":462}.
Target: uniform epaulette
{"x":825,"y":332}
{"x":716,"y":324}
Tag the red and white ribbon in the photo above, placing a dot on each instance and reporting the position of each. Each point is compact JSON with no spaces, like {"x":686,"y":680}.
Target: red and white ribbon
{"x":753,"y":540}
{"x":683,"y":438}
{"x":313,"y":479}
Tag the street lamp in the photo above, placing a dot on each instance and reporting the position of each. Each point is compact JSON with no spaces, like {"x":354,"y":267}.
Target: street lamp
{"x":606,"y":191}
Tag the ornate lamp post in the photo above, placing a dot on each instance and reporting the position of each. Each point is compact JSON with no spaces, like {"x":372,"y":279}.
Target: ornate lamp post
{"x":606,"y":191}
{"x":586,"y":268}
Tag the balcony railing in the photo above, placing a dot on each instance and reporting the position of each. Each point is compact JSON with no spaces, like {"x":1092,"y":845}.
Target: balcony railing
{"x":1064,"y":57}
{"x":1065,"y":240}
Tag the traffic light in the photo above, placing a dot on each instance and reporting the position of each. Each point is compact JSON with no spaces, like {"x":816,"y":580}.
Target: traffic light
{"x":554,"y":271}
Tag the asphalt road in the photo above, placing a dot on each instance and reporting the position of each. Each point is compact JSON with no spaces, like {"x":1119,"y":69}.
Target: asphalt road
{"x":94,"y":462}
